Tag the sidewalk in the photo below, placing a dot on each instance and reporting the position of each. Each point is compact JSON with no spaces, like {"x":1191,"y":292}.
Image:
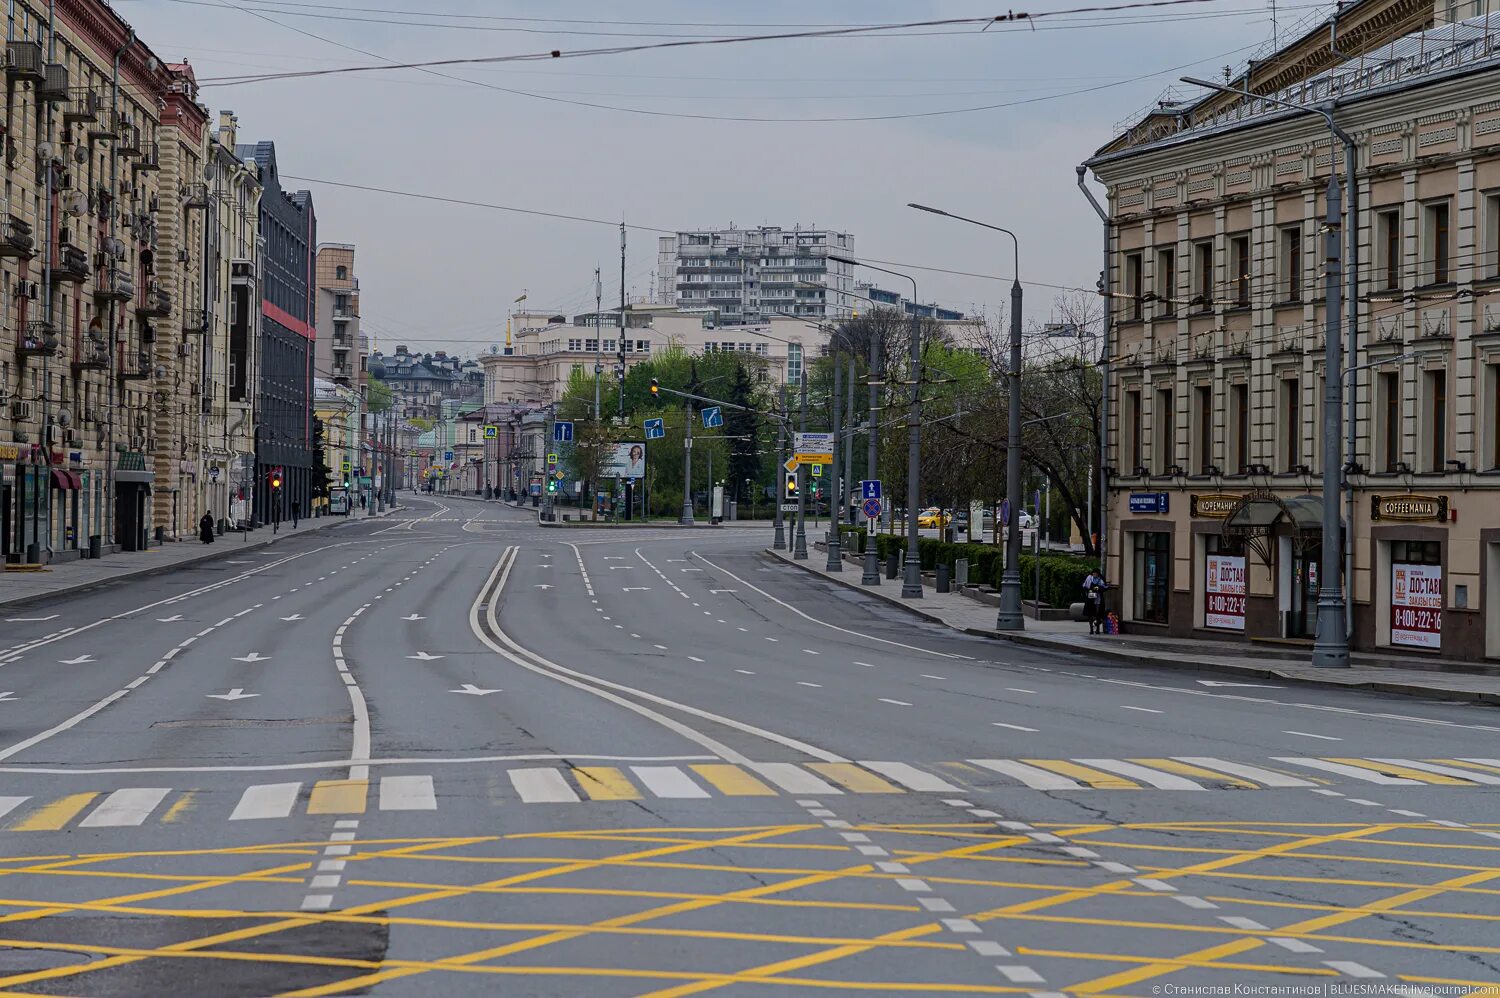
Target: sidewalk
{"x":1380,"y":673}
{"x":23,"y":588}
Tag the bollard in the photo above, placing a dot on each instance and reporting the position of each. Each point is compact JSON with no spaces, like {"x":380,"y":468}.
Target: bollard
{"x":892,"y":565}
{"x":942,"y":577}
{"x":961,"y":572}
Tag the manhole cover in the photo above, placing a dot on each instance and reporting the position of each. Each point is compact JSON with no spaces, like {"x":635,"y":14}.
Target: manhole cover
{"x":21,"y":961}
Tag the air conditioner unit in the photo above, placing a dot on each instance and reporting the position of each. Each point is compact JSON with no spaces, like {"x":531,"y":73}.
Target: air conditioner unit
{"x":91,"y":415}
{"x":182,"y":256}
{"x":183,"y":350}
{"x":20,"y":410}
{"x":75,"y":438}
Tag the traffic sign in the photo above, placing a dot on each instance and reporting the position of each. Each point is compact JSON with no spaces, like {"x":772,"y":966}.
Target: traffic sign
{"x":791,"y":464}
{"x":1005,"y":512}
{"x":562,"y":432}
{"x":871,"y":509}
{"x":344,"y":467}
{"x":789,"y":507}
{"x":447,"y":455}
{"x":817,"y":471}
{"x":712,"y":416}
{"x":551,"y":459}
{"x":813,"y":443}
{"x":491,"y":432}
{"x":869,"y":488}
{"x":558,"y":474}
{"x":813,"y":457}
{"x":655,"y":429}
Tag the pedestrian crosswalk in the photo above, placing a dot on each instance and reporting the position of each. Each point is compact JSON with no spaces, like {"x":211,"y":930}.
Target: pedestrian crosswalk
{"x":565,"y":784}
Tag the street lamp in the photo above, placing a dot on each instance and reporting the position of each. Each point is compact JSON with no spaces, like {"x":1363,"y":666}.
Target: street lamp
{"x":1010,"y":617}
{"x":1331,"y":646}
{"x":911,"y":581}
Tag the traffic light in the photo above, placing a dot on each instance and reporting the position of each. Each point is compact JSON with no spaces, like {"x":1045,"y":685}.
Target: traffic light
{"x":655,"y":387}
{"x":276,"y":478}
{"x":552,"y":485}
{"x":791,"y":487}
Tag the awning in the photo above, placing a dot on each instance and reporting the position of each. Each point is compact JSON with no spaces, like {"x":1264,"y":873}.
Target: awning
{"x":134,"y":475}
{"x":67,"y":480}
{"x":1263,"y":512}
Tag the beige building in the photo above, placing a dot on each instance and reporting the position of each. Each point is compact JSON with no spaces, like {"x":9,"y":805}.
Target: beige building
{"x":342,"y":353}
{"x":1217,"y":341}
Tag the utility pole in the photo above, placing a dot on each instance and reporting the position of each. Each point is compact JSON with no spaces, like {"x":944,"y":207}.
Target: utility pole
{"x":799,"y":549}
{"x":1331,"y":647}
{"x":1010,"y":617}
{"x":871,"y":575}
{"x":835,"y":561}
{"x":686,"y":519}
{"x":621,"y":342}
{"x":781,"y":473}
{"x":598,"y":337}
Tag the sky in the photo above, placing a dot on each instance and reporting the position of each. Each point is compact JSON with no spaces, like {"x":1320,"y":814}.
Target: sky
{"x":570,"y":136}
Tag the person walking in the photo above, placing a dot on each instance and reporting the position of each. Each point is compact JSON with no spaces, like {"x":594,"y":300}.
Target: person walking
{"x":206,"y":528}
{"x":296,"y":511}
{"x":1093,"y":594}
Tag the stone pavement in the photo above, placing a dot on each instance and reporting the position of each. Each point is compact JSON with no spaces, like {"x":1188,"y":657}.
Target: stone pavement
{"x":28,"y":587}
{"x":1380,"y":673}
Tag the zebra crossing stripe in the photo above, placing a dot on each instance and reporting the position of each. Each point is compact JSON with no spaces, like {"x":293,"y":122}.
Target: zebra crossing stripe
{"x":407,"y":793}
{"x":266,"y":800}
{"x":1152,"y":777}
{"x":605,"y":783}
{"x":793,"y":779}
{"x":861,"y":781}
{"x":732,"y":780}
{"x":542,"y":786}
{"x":911,"y":777}
{"x":126,"y":807}
{"x":1093,"y":777}
{"x":668,"y":782}
{"x":1173,"y":766}
{"x":9,"y":804}
{"x":1367,"y":775}
{"x":1265,"y":777}
{"x":338,"y":797}
{"x":1031,"y":776}
{"x":1395,"y":767}
{"x":56,"y":815}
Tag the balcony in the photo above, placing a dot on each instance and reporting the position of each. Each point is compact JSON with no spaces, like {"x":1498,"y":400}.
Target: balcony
{"x":196,"y":320}
{"x":135,"y":365}
{"x":92,"y":355}
{"x":106,"y":124}
{"x":242,"y":271}
{"x":114,"y":285}
{"x":38,"y":340}
{"x":129,"y":141}
{"x":54,"y":85}
{"x":72,"y":264}
{"x":84,"y":106}
{"x":26,"y":61}
{"x":155,"y":303}
{"x":344,"y":313}
{"x":150,"y":160}
{"x":15,"y":237}
{"x":194,"y":195}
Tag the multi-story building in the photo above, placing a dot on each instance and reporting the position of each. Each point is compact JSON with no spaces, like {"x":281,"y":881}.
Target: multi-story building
{"x":1216,"y":344}
{"x":339,"y":408}
{"x":230,"y":325}
{"x":420,"y":383}
{"x":749,"y":274}
{"x":341,"y":356}
{"x":289,"y":233}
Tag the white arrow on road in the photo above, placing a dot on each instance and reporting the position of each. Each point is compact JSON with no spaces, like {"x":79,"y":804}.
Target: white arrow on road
{"x":76,"y":661}
{"x":543,"y":586}
{"x":238,"y":693}
{"x":254,"y":656}
{"x":168,"y":620}
{"x":722,"y":590}
{"x":422,"y":656}
{"x":626,"y":567}
{"x":8,"y":695}
{"x":1258,"y":686}
{"x":414,"y":616}
{"x":636,"y":589}
{"x":474,"y":691}
{"x":295,"y":616}
{"x":25,"y":620}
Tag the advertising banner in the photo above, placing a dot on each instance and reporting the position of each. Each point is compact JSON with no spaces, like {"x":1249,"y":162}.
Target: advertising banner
{"x":1417,"y":606}
{"x":627,"y":460}
{"x":1224,"y":592}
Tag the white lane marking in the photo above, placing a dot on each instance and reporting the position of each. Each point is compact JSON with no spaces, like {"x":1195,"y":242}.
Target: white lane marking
{"x":1355,"y":772}
{"x":1144,"y":710}
{"x":1351,"y":969}
{"x":1160,"y":780}
{"x":1013,"y":727}
{"x":1020,"y":975}
{"x":9,"y":804}
{"x":71,"y":722}
{"x":961,"y":925}
{"x":542,"y":786}
{"x":1240,"y":922}
{"x":898,"y":703}
{"x":668,"y":782}
{"x":125,"y":808}
{"x":1112,"y":867}
{"x":25,"y":620}
{"x":1308,"y":734}
{"x":1017,"y":689}
{"x":938,"y":904}
{"x":407,"y":793}
{"x":695,"y":658}
{"x":266,"y":800}
{"x":816,"y":686}
{"x":793,"y":779}
{"x":1428,"y":767}
{"x":1031,"y":776}
{"x":926,"y":676}
{"x":744,"y":672}
{"x":317,"y":902}
{"x":867,"y":665}
{"x":1408,"y":814}
{"x":1326,"y":793}
{"x":1362,"y":802}
{"x":911,"y":777}
{"x":1293,"y":945}
{"x":1194,"y":902}
{"x":1253,"y":773}
{"x":988,"y":947}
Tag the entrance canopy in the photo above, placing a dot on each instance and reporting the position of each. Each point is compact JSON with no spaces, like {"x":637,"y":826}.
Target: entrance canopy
{"x":66,"y":480}
{"x":1255,"y":516}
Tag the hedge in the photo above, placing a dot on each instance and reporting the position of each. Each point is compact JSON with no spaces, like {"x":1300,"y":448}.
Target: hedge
{"x":1061,"y":575}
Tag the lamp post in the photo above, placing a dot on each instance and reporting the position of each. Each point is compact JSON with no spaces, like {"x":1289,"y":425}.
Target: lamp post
{"x":780,"y":543}
{"x":1010,"y":617}
{"x":799,"y":544}
{"x":1331,"y":646}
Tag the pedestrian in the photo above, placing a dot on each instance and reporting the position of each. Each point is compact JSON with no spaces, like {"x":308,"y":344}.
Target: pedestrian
{"x":1093,"y":594}
{"x":296,"y":510}
{"x":206,"y":528}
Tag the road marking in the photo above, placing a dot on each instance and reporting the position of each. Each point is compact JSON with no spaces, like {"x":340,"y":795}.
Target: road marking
{"x":125,"y":808}
{"x":605,"y":783}
{"x":1265,"y":777}
{"x":911,"y":777}
{"x":745,"y":672}
{"x":816,"y":686}
{"x":338,"y":797}
{"x":668,"y":782}
{"x":267,"y":800}
{"x":1031,"y":776}
{"x":793,"y":779}
{"x":1352,"y":969}
{"x":27,"y":620}
{"x":80,"y":660}
{"x":867,"y":665}
{"x":238,"y":693}
{"x":1144,"y":710}
{"x":1173,"y":766}
{"x":898,"y":703}
{"x":1356,"y":772}
{"x":55,"y":815}
{"x":1020,"y":975}
{"x":542,"y":786}
{"x":695,"y":658}
{"x":1426,"y":772}
{"x":1305,"y":734}
{"x":734,"y":781}
{"x":477,"y":691}
{"x":407,"y":793}
{"x":9,"y":804}
{"x":861,"y":781}
{"x":1014,"y":727}
{"x":1162,"y":781}
{"x":926,"y":676}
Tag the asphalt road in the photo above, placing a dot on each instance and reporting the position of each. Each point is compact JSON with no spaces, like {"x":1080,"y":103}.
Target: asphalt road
{"x":452,"y":753}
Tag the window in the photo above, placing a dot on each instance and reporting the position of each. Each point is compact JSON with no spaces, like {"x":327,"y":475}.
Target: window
{"x":1388,"y":265}
{"x":575,"y":345}
{"x":341,"y":273}
{"x":1204,"y":420}
{"x":1130,"y":432}
{"x":794,"y":363}
{"x":1134,"y":285}
{"x":642,"y":346}
{"x":1436,"y":238}
{"x":1239,"y":416}
{"x":1166,"y":281}
{"x":1291,"y":424}
{"x":1163,"y":431}
{"x":609,"y":346}
{"x":1203,"y":274}
{"x":1152,"y":563}
{"x":1239,"y":255}
{"x":1388,"y":390}
{"x":710,"y":346}
{"x":1437,"y":419}
{"x":1490,"y":265}
{"x":1290,"y":264}
{"x":762,"y":349}
{"x":591,"y":345}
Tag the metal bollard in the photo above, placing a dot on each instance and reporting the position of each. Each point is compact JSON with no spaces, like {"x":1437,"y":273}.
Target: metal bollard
{"x":892,"y":565}
{"x":942,"y":577}
{"x":961,"y":572}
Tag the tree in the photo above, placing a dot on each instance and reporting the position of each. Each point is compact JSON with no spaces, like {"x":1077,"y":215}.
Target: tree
{"x":321,"y":473}
{"x":593,"y":443}
{"x":743,"y":430}
{"x":378,"y":396}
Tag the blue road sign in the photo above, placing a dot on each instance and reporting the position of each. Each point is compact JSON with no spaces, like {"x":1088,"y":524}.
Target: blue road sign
{"x":712,"y":416}
{"x":1005,"y":511}
{"x":447,"y":455}
{"x":562,"y":432}
{"x":1149,"y":502}
{"x":869,"y":489}
{"x":655,"y":429}
{"x":871,"y":508}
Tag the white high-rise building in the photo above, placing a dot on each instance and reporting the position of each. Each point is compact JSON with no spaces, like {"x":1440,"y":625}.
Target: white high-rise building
{"x":749,"y":275}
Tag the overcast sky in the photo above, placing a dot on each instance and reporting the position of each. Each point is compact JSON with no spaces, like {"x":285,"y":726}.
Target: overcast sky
{"x":441,"y":276}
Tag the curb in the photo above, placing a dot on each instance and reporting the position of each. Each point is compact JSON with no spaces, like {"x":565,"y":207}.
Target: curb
{"x":83,"y":587}
{"x":1125,"y":658}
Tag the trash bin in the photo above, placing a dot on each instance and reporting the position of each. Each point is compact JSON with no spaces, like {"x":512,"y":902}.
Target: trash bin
{"x":96,"y":546}
{"x":942,"y":577}
{"x":891,"y":565}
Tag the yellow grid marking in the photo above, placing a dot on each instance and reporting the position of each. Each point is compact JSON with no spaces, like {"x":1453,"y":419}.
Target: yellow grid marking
{"x":1093,"y":777}
{"x":856,"y":778}
{"x":732,"y":780}
{"x":1186,"y":769}
{"x":56,"y":815}
{"x":1463,"y":764}
{"x":605,"y":783}
{"x":338,"y":797}
{"x":180,"y":806}
{"x":1391,"y":769}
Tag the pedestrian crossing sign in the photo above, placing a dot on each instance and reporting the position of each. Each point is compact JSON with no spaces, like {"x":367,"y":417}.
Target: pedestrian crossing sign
{"x":491,"y":432}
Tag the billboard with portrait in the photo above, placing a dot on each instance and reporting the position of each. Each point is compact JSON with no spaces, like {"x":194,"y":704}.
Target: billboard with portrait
{"x":626,"y":460}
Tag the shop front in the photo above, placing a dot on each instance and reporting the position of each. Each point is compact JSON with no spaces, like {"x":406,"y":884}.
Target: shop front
{"x":1280,"y":540}
{"x":1410,"y":554}
{"x":1146,"y":601}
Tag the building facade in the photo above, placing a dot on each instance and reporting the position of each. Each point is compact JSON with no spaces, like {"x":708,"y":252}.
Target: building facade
{"x":747,"y":275}
{"x":1218,"y":318}
{"x":341,"y":355}
{"x":421,"y":383}
{"x":286,"y":341}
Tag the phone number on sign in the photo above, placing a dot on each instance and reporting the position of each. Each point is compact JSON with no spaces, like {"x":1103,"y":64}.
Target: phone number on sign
{"x":1408,"y":619}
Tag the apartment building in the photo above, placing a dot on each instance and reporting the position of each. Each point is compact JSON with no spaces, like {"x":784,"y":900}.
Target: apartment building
{"x":1216,"y":341}
{"x":341,"y":353}
{"x":748,"y":275}
{"x":420,"y":383}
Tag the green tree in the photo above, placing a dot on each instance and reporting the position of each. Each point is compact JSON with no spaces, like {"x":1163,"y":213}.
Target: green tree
{"x":378,"y":396}
{"x":744,"y":430}
{"x":321,"y":473}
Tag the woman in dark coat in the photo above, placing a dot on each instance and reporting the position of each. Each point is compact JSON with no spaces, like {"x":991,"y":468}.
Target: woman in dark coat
{"x":206,"y":528}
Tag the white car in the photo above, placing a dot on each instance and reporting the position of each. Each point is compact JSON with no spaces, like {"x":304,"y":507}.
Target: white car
{"x":1027,"y":520}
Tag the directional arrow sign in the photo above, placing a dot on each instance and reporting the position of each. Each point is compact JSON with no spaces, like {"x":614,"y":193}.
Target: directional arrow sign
{"x":414,"y":616}
{"x":168,"y":620}
{"x":8,"y":695}
{"x":636,"y":589}
{"x":254,"y":656}
{"x":295,"y":616}
{"x":76,"y":661}
{"x":422,"y":656}
{"x":237,"y":693}
{"x":1258,"y":686}
{"x":473,"y":690}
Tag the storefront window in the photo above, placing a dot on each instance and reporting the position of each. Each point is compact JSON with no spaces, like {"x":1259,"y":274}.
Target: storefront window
{"x":1224,"y":584}
{"x":1417,"y":594}
{"x":1153,"y":564}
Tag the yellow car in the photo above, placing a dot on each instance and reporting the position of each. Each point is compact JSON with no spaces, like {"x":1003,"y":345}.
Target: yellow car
{"x":933,"y":517}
